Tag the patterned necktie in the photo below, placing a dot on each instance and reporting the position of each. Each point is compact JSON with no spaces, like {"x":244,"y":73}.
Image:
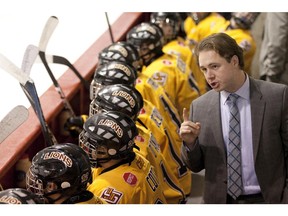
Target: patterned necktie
{"x":234,"y":149}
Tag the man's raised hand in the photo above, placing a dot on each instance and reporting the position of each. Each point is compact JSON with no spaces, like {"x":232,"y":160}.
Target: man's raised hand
{"x":189,"y":130}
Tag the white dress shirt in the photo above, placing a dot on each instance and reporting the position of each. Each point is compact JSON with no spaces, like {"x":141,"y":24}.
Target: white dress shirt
{"x":249,"y":178}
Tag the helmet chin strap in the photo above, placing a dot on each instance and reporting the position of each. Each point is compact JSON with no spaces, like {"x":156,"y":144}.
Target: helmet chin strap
{"x":64,"y":194}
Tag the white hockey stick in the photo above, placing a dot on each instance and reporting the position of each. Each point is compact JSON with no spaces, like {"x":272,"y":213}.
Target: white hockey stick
{"x":48,"y":30}
{"x":46,"y":34}
{"x":30,"y":91}
{"x":29,"y":58}
{"x":13,"y":119}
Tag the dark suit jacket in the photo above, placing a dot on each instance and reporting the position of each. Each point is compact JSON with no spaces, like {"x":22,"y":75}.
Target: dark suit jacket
{"x":269,"y":110}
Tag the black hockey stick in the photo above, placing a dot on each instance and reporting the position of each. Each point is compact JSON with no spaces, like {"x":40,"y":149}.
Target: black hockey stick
{"x":109,"y":27}
{"x":30,"y":91}
{"x":62,"y":60}
{"x":12,"y":120}
{"x":46,"y":34}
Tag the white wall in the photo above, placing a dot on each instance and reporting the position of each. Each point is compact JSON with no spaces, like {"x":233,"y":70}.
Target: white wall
{"x":21,"y":24}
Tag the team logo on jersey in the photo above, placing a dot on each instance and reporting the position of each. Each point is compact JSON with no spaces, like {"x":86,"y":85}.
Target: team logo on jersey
{"x":181,"y":65}
{"x":160,"y":77}
{"x":139,"y":138}
{"x":138,"y":80}
{"x":111,"y":195}
{"x":142,"y":111}
{"x":181,"y":43}
{"x":166,"y":62}
{"x":245,"y":45}
{"x":156,"y":117}
{"x":130,"y":178}
{"x":152,"y":83}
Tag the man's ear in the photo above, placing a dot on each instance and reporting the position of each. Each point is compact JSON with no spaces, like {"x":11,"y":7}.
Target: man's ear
{"x":235,"y":60}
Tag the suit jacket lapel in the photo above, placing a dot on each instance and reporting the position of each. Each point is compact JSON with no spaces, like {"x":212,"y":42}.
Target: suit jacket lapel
{"x":214,"y":114}
{"x":257,"y":112}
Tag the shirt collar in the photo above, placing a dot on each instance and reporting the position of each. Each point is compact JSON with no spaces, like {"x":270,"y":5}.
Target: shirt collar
{"x":243,"y":91}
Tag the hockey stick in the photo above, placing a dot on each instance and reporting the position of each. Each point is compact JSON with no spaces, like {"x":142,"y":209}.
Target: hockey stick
{"x":46,"y":34}
{"x":109,"y":27}
{"x":30,"y":91}
{"x":29,"y":58}
{"x":62,"y":60}
{"x":13,"y":119}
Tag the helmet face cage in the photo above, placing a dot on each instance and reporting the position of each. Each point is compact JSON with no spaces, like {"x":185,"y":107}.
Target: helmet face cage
{"x":107,"y":136}
{"x":170,"y":23}
{"x":94,"y":88}
{"x":95,"y":151}
{"x":123,"y":52}
{"x":19,"y":196}
{"x":118,"y":97}
{"x":94,"y":108}
{"x":148,"y":39}
{"x":244,"y":20}
{"x":63,"y":169}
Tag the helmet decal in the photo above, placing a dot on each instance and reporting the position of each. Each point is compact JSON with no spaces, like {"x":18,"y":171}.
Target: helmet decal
{"x":10,"y":200}
{"x":125,"y":95}
{"x":121,"y":67}
{"x":119,"y":48}
{"x":113,"y":125}
{"x":59,"y":156}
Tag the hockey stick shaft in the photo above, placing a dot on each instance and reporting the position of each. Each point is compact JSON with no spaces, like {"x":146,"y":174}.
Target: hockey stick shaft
{"x":56,"y":84}
{"x":48,"y":30}
{"x":109,"y":27}
{"x":29,"y":89}
{"x":16,"y":117}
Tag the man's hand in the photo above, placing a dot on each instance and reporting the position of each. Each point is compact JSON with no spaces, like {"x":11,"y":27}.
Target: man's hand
{"x":189,"y":130}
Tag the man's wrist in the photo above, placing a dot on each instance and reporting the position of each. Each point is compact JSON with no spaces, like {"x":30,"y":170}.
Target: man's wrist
{"x":189,"y":146}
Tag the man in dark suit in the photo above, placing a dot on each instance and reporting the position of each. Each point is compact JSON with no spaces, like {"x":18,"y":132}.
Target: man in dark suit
{"x":263,"y":135}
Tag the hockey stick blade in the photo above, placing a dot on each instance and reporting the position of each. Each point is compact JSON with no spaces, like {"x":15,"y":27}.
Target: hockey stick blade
{"x":29,"y":58}
{"x":13,"y":70}
{"x":48,"y":30}
{"x":16,"y":117}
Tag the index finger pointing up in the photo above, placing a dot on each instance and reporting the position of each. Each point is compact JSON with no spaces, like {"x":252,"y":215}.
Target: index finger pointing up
{"x":185,"y":114}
